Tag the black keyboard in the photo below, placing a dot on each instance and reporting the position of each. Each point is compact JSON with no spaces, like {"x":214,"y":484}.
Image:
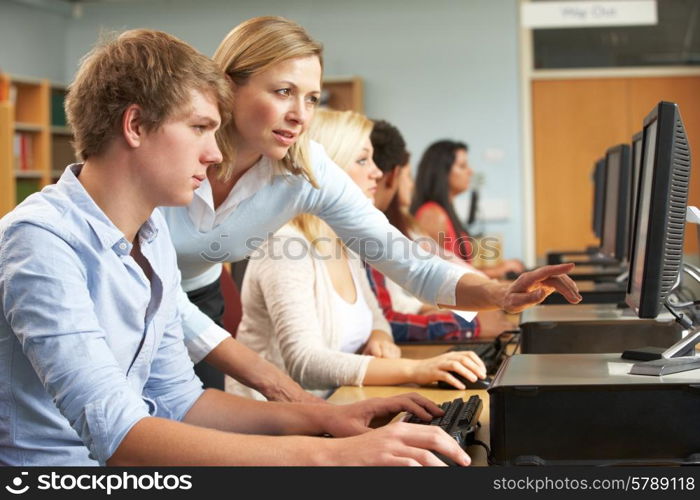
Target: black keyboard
{"x":461,"y":419}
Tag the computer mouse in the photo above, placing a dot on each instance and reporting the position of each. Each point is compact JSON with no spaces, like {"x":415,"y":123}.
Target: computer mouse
{"x":479,"y":384}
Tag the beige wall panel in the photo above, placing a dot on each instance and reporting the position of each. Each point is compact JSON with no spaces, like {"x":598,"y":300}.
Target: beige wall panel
{"x":574,"y":121}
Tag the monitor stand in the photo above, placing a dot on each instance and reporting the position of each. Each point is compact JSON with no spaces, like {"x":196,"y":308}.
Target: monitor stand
{"x":680,"y":357}
{"x":592,"y":328}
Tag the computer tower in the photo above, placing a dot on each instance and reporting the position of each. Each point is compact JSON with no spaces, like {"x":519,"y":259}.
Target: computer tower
{"x":585,"y":409}
{"x":592,"y":328}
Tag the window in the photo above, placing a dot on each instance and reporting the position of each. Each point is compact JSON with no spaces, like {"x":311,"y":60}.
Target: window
{"x":674,"y":41}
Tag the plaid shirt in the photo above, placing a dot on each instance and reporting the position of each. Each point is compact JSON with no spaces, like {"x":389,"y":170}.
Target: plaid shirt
{"x":416,"y":327}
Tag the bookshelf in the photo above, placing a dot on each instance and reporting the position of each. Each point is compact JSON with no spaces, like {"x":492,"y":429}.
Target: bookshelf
{"x":7,"y":180}
{"x":35,"y":141}
{"x":343,"y":93}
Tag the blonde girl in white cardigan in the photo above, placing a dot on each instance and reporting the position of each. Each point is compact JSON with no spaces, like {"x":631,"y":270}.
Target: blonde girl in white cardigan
{"x":307,"y":304}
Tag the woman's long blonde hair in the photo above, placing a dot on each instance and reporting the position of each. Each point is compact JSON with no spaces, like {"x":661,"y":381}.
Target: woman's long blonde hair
{"x":253,"y":46}
{"x":340,"y":133}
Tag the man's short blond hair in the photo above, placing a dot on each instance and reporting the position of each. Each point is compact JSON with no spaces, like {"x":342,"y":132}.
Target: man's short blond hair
{"x":151,"y":69}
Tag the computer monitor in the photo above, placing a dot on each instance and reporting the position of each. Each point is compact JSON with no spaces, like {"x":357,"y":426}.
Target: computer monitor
{"x":598,"y":179}
{"x":657,"y":245}
{"x":636,"y":165}
{"x":616,"y":205}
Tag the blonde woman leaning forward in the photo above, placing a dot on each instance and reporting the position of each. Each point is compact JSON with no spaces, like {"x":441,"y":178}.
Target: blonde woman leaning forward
{"x":271,"y":173}
{"x":307,"y":304}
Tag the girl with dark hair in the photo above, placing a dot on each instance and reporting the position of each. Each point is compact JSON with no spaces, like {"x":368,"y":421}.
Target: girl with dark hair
{"x":443,"y":173}
{"x":411,"y":319}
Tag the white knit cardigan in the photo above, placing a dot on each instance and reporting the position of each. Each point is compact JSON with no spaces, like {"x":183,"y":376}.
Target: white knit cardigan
{"x":288,"y":315}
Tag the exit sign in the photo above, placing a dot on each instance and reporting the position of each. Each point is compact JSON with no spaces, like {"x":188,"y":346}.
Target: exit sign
{"x":538,"y":15}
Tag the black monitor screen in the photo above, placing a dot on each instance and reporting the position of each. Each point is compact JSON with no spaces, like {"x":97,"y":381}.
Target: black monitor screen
{"x":636,"y":165}
{"x":598,"y":196}
{"x":616,"y":204}
{"x":642,"y":222}
{"x":636,"y":168}
{"x":659,"y":229}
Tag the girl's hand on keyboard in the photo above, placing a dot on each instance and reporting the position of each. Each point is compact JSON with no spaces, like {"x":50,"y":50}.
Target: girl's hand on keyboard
{"x":398,"y":444}
{"x":465,"y":363}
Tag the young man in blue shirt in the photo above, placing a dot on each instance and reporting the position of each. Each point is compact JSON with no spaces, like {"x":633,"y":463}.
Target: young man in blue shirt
{"x":92,"y":361}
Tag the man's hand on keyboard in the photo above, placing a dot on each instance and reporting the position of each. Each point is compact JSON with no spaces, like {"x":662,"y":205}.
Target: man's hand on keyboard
{"x":533,"y":287}
{"x":355,"y":418}
{"x":397,"y":444}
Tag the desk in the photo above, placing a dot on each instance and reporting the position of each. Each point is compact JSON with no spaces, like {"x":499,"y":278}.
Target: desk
{"x":352,"y":394}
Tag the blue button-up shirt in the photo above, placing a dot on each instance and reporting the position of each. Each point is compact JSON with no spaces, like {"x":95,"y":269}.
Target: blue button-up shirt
{"x":88,"y":344}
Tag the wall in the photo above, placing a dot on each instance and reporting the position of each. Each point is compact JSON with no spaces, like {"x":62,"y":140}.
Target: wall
{"x":443,"y":69}
{"x":32,"y":41}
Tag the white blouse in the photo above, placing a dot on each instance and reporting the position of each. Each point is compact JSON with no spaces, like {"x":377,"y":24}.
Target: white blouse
{"x":355,"y":319}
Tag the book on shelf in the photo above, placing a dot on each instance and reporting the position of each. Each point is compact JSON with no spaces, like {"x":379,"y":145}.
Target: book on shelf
{"x":23,"y":151}
{"x":62,"y":152}
{"x":26,"y":187}
{"x":58,"y":113}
